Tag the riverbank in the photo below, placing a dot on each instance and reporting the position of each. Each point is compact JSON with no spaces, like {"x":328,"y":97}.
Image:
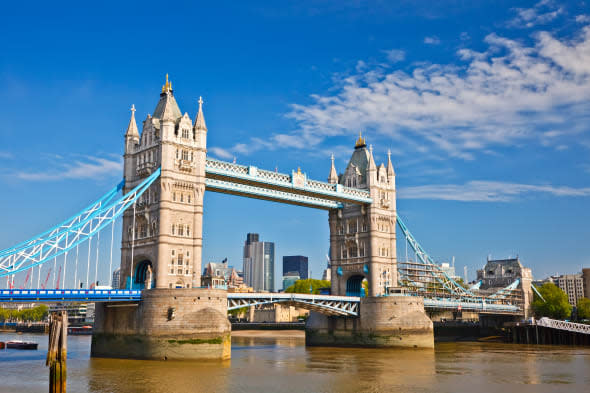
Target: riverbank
{"x":269,"y":333}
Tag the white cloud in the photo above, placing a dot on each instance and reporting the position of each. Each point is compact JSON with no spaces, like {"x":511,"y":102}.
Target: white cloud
{"x":395,"y":55}
{"x":221,"y":153}
{"x":583,"y":18}
{"x":486,"y":191}
{"x":543,"y":12}
{"x":87,"y":168}
{"x":508,"y":94}
{"x":432,"y":40}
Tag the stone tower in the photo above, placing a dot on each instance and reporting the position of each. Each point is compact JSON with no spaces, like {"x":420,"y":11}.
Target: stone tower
{"x":362,"y":238}
{"x":164,"y":248}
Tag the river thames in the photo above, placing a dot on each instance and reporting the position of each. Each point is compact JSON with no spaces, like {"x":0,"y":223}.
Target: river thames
{"x":282,"y":363}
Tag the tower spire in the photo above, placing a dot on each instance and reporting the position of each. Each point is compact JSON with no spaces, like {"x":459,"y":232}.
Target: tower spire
{"x":200,"y":118}
{"x":333,"y":178}
{"x":390,"y":171}
{"x":167,"y":86}
{"x":132,"y":131}
{"x":360,"y":142}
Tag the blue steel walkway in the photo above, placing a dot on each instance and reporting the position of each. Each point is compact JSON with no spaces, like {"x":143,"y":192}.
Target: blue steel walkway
{"x":326,"y":304}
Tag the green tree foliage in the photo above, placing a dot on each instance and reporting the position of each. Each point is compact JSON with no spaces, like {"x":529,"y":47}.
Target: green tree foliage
{"x":555,"y":306}
{"x":303,"y":286}
{"x":34,"y":314}
{"x":584,"y":308}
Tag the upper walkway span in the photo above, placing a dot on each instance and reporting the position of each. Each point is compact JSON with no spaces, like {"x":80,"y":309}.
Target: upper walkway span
{"x":296,"y":188}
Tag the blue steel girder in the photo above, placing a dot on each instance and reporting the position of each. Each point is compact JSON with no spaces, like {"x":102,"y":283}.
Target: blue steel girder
{"x":68,"y":295}
{"x":262,"y":182}
{"x":59,"y":242}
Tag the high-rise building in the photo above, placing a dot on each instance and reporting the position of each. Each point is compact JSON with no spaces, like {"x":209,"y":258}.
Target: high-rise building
{"x":572,"y":285}
{"x":259,"y":263}
{"x":296,"y":263}
{"x":116,"y":278}
{"x":290,"y":278}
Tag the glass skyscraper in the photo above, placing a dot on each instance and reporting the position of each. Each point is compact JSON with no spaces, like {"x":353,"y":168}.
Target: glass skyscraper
{"x":259,"y":263}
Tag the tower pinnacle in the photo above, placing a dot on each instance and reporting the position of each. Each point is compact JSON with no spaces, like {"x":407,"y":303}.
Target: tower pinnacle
{"x":132,"y":131}
{"x":360,"y":142}
{"x":333,"y":178}
{"x":200,"y":118}
{"x":390,"y":171}
{"x":167,"y":86}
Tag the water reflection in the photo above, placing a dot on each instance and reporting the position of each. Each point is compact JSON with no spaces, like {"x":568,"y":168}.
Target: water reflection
{"x":284,"y":364}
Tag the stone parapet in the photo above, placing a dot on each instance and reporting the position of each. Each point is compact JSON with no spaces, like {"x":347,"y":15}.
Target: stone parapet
{"x":165,"y":324}
{"x":391,"y":321}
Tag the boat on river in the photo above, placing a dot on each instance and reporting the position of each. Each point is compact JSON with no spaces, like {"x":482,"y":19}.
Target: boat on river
{"x":21,"y":345}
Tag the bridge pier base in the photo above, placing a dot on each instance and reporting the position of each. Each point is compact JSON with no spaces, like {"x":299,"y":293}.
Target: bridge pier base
{"x":166,"y":324}
{"x":391,"y":321}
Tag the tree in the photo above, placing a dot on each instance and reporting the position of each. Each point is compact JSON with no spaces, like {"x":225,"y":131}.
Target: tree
{"x":303,"y":286}
{"x":584,"y":308}
{"x":555,"y":306}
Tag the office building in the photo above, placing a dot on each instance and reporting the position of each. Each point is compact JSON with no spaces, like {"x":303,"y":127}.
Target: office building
{"x":259,"y":263}
{"x":296,"y":263}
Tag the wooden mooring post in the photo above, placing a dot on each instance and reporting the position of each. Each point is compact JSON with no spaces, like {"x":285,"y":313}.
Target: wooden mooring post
{"x":57,"y":351}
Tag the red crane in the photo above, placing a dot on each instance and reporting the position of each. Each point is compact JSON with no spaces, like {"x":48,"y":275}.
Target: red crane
{"x":46,"y":279}
{"x":26,"y":280}
{"x":58,"y":278}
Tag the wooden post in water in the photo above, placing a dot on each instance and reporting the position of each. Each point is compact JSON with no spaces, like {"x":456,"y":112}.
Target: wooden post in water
{"x":57,"y":351}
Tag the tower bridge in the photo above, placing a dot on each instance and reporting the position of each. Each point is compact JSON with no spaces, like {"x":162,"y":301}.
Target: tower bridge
{"x":166,"y":174}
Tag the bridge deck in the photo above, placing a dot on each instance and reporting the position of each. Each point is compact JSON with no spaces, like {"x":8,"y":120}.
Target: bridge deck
{"x":327,"y":304}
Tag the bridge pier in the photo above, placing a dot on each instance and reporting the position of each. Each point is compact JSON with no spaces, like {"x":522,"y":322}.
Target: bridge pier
{"x":166,"y":324}
{"x":389,"y":321}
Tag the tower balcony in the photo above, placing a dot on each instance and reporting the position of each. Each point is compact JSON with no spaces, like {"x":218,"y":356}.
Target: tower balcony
{"x":185,"y":165}
{"x":145,"y":168}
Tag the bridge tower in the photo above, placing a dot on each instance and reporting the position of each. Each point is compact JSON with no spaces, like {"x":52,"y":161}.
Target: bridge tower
{"x":362,"y":237}
{"x":164,"y":249}
{"x":161,"y":248}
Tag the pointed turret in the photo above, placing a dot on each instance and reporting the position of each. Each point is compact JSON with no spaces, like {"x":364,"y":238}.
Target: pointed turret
{"x":132,"y":131}
{"x":333,"y":178}
{"x":371,"y":168}
{"x":167,"y":108}
{"x":200,"y":118}
{"x":390,"y":171}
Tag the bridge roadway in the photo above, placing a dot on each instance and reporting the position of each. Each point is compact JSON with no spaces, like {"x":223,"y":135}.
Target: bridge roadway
{"x":326,"y":304}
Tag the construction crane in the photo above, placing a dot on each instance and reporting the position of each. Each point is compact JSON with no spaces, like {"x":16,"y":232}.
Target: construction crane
{"x":58,"y":278}
{"x":46,"y":279}
{"x":26,"y":280}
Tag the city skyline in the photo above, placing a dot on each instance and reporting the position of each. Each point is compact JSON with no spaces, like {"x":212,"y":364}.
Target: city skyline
{"x":480,"y":170}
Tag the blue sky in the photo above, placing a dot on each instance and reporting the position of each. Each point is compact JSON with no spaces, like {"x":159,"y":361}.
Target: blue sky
{"x":484,"y":105}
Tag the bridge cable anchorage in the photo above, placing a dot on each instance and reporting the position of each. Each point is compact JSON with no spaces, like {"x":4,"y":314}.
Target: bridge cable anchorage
{"x":87,"y":225}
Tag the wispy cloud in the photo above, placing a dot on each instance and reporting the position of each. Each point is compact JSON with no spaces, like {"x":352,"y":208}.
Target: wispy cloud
{"x":88,"y":167}
{"x":220,"y":152}
{"x":487,"y":191}
{"x":395,"y":55}
{"x":508,"y":94}
{"x":542,"y":12}
{"x":432,"y":40}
